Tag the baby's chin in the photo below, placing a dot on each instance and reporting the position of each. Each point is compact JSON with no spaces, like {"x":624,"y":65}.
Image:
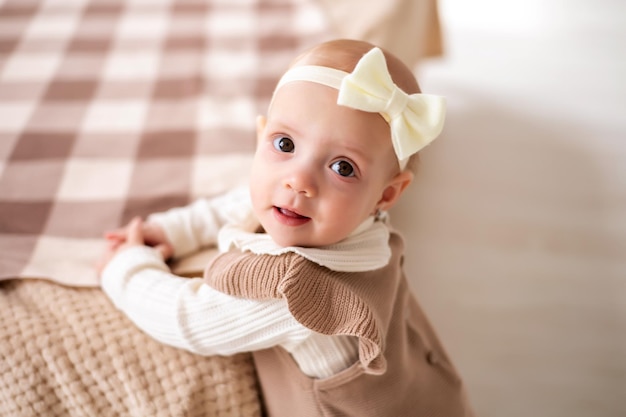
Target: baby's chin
{"x":285,"y":242}
{"x":310,"y":242}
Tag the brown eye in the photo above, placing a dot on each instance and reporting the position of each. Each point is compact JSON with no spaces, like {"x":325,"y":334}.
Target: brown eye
{"x":284,"y":144}
{"x":343,"y":168}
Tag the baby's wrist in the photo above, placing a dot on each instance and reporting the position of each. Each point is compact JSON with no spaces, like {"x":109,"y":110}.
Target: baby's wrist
{"x":131,"y":258}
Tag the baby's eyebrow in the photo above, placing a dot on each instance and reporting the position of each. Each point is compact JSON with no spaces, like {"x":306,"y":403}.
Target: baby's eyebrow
{"x":278,"y":125}
{"x":362,"y":152}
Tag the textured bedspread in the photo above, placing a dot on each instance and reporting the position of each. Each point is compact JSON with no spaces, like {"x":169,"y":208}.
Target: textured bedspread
{"x":66,"y":352}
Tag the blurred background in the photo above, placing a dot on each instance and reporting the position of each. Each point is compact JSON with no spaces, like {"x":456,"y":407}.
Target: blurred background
{"x":516,"y":227}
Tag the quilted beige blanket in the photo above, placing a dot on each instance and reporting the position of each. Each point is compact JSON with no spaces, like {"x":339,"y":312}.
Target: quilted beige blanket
{"x":66,"y":352}
{"x":111,"y":109}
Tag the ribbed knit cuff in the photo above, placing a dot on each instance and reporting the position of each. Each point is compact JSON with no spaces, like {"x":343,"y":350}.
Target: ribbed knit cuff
{"x":176,"y":230}
{"x":124,"y":265}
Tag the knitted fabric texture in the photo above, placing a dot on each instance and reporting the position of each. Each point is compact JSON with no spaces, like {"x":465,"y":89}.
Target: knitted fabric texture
{"x":325,"y":305}
{"x":69,"y":352}
{"x":403,"y":370}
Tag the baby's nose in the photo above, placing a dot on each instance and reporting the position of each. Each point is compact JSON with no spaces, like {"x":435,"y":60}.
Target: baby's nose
{"x":302,"y":181}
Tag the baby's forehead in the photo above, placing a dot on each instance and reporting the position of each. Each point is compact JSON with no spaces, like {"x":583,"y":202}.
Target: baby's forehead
{"x":306,"y":109}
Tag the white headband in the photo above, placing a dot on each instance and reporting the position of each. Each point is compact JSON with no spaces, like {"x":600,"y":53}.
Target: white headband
{"x":415,"y":119}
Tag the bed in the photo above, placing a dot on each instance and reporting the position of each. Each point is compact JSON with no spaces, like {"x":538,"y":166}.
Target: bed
{"x":111,"y":109}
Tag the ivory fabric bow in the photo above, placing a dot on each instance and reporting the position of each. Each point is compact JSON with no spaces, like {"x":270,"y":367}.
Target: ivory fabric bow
{"x":415,"y":119}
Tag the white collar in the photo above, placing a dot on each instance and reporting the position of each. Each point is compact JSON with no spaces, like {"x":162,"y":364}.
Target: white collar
{"x":365,"y":249}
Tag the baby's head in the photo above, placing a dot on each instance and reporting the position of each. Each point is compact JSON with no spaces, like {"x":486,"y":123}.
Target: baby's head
{"x":335,"y":146}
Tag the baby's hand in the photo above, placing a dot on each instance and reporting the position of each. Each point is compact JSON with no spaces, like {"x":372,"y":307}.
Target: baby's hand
{"x":152,"y":234}
{"x":134,"y":235}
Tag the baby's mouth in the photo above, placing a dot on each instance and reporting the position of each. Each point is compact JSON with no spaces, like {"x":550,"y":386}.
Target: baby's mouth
{"x":289,"y":213}
{"x":290,"y":217}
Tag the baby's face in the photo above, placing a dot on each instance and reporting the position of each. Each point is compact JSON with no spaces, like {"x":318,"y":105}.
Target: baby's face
{"x":320,"y":169}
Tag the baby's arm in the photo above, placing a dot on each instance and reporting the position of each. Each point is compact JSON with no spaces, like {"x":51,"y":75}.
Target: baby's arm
{"x":188,"y":314}
{"x":183,"y":230}
{"x":190,"y":228}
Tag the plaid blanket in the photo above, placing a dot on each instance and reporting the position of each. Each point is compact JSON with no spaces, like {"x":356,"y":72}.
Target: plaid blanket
{"x":111,"y":109}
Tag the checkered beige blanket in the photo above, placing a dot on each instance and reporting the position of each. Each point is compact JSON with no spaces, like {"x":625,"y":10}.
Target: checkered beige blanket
{"x":115,"y":108}
{"x":111,"y":109}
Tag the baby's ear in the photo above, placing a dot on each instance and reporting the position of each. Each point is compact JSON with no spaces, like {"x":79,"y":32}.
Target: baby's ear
{"x":394,"y":190}
{"x":261,"y":122}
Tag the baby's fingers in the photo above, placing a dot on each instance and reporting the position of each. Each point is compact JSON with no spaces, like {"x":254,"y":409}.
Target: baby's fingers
{"x":114,"y":243}
{"x":119,"y":234}
{"x":114,"y":235}
{"x":135,"y":232}
{"x":164,"y":250}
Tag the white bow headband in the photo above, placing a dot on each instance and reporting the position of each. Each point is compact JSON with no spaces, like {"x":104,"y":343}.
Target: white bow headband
{"x":415,"y":119}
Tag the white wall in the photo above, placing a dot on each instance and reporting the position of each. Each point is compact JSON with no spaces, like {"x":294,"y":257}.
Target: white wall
{"x":516,"y":226}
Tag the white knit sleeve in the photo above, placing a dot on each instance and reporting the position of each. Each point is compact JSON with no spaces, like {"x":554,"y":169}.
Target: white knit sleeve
{"x":195,"y":226}
{"x":188,"y":314}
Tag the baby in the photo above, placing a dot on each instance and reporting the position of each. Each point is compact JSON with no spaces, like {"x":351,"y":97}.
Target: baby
{"x":309,"y":277}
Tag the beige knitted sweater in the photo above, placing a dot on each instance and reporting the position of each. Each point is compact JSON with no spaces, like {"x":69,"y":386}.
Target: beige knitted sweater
{"x":402,"y":368}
